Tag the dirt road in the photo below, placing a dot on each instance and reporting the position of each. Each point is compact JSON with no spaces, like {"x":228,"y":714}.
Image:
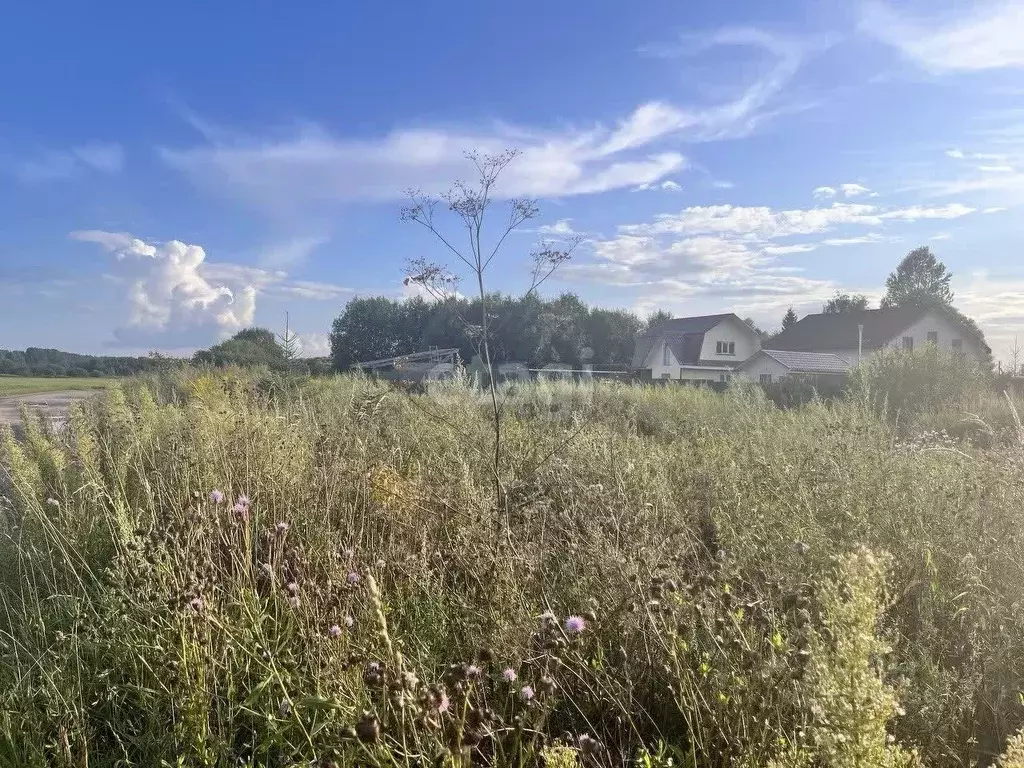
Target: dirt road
{"x":53,"y":404}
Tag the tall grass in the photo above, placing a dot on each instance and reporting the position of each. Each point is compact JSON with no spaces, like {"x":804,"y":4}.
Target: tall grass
{"x":691,"y":579}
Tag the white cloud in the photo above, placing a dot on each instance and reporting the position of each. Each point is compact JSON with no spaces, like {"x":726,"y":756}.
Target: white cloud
{"x":313,"y":344}
{"x":941,"y":236}
{"x":316,"y":167}
{"x":915,"y":212}
{"x":561,"y":228}
{"x":783,"y":250}
{"x":824,"y":192}
{"x":56,"y":165}
{"x":996,"y":302}
{"x":996,"y":168}
{"x":290,"y":253}
{"x":853,"y":190}
{"x":671,"y":186}
{"x":989,"y":36}
{"x":870,"y":237}
{"x":175,"y":297}
{"x":955,"y":153}
{"x":994,"y":209}
{"x":108,"y":158}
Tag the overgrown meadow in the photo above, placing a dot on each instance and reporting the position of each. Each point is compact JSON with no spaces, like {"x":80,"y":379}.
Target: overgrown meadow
{"x":212,"y":569}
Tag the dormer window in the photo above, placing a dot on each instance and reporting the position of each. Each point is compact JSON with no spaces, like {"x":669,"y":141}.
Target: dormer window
{"x":725,"y":347}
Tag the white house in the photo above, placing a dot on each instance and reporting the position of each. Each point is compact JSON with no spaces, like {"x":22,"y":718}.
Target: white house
{"x":855,"y":335}
{"x":698,"y":349}
{"x":773,"y":365}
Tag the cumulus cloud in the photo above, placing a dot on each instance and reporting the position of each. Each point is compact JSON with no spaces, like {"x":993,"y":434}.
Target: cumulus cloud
{"x":956,"y":154}
{"x":988,"y":36}
{"x":847,"y":190}
{"x":727,"y":255}
{"x":313,"y":344}
{"x":175,"y":297}
{"x":824,"y":192}
{"x":671,"y":186}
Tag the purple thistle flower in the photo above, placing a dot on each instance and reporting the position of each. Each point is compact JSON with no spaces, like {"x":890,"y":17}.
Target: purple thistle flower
{"x":334,"y":631}
{"x":349,"y":622}
{"x":196,"y":604}
{"x":294,"y":601}
{"x":575,"y":624}
{"x":473,"y":672}
{"x":353,"y":577}
{"x":509,"y":675}
{"x":282,"y":526}
{"x":243,"y":500}
{"x":349,"y":553}
{"x":292,"y":587}
{"x":527,"y":693}
{"x":216,"y":496}
{"x":241,"y":511}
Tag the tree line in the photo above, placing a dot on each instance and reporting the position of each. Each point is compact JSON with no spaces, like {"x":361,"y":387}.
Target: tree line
{"x":527,"y":329}
{"x":36,"y":361}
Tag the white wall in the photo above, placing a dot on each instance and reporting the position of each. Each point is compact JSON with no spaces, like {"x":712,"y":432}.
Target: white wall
{"x":655,"y":362}
{"x":930,"y":321}
{"x":947,"y":331}
{"x":730,"y":329}
{"x":765,"y":364}
{"x":703,"y":374}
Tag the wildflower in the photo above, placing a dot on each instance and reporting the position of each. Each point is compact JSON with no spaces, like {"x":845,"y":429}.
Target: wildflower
{"x":443,"y":703}
{"x":216,"y":496}
{"x":368,"y":728}
{"x":282,"y":527}
{"x":334,"y":631}
{"x":241,"y":512}
{"x":473,"y":672}
{"x":575,"y":624}
{"x":196,"y":604}
{"x":53,"y":502}
{"x":527,"y":693}
{"x":243,"y":500}
{"x":353,"y":577}
{"x":349,"y":553}
{"x":349,"y":622}
{"x":547,"y":619}
{"x":292,"y":587}
{"x":294,"y":601}
{"x":509,"y":675}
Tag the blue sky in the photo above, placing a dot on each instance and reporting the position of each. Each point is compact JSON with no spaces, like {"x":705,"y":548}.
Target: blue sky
{"x":171,"y":173}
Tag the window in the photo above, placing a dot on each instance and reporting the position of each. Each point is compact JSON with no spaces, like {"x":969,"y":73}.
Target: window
{"x":765,"y":378}
{"x":933,"y":337}
{"x":666,"y":375}
{"x":908,"y":343}
{"x":725,"y":347}
{"x":666,"y":356}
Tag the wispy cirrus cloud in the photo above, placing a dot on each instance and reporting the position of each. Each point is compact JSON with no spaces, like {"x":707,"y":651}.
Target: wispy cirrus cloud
{"x":318,"y":167}
{"x":985,"y":35}
{"x":54,"y":165}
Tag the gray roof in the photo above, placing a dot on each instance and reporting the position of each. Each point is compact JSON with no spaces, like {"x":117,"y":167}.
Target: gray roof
{"x":839,"y":331}
{"x":684,"y":336}
{"x":806,"y":362}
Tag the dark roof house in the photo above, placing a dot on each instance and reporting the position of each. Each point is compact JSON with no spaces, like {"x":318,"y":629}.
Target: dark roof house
{"x":817,"y":333}
{"x":683,"y":335}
